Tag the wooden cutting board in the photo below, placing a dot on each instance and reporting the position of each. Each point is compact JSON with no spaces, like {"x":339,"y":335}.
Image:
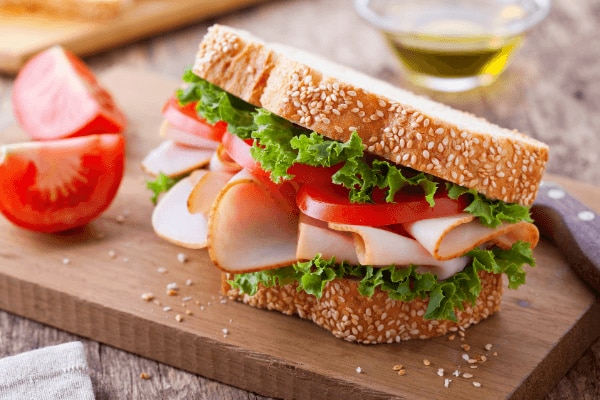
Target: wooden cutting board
{"x":90,"y":283}
{"x":24,"y":34}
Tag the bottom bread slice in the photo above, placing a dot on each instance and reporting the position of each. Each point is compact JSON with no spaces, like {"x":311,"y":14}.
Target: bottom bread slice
{"x":370,"y":320}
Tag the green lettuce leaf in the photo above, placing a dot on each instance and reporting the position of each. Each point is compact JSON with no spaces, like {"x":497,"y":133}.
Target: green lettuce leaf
{"x":491,"y":213}
{"x":215,"y":104}
{"x":404,"y":284}
{"x":161,"y":184}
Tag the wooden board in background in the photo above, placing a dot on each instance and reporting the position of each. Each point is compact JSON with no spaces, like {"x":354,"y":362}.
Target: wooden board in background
{"x":23,"y":34}
{"x":542,"y":330}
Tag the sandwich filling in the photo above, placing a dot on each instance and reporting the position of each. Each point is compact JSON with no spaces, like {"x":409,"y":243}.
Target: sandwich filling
{"x":306,"y":209}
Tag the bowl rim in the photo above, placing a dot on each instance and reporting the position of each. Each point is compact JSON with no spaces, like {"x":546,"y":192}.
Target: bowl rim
{"x":543,"y":7}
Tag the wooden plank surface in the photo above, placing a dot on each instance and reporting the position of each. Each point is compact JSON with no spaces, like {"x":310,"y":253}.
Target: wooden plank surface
{"x":541,"y":331}
{"x":24,"y":34}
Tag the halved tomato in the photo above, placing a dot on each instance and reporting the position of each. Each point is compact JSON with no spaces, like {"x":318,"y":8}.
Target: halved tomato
{"x":239,"y":150}
{"x":331,"y":203}
{"x":185,"y":118}
{"x":57,"y":185}
{"x":56,"y":95}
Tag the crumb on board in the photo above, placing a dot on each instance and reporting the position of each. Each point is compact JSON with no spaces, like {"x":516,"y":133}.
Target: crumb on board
{"x":181,"y":257}
{"x":147,"y":296}
{"x":178,"y":318}
{"x":161,"y":270}
{"x":358,"y":370}
{"x":426,"y":362}
{"x":145,"y":375}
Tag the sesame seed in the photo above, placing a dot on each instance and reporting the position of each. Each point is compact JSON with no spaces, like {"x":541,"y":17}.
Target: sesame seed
{"x":181,"y":257}
{"x":426,"y":362}
{"x":476,"y":384}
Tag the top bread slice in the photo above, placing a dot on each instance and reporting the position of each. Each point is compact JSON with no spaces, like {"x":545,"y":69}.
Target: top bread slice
{"x":83,"y":9}
{"x":395,"y":124}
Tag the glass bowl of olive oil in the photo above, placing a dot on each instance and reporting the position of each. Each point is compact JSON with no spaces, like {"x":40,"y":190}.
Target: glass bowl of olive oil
{"x":453,"y":45}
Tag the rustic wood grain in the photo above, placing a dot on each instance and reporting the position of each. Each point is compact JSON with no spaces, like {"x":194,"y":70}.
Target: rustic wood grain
{"x":551,"y":91}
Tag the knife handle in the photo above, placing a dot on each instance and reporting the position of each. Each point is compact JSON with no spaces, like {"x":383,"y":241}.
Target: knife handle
{"x":574,"y":229}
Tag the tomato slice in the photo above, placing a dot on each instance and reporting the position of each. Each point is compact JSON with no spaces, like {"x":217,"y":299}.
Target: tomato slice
{"x":56,"y":95}
{"x":331,"y":203}
{"x":185,"y":118}
{"x":239,"y":150}
{"x":57,"y":185}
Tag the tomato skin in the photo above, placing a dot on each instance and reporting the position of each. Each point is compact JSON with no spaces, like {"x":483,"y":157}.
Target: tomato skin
{"x":54,"y":186}
{"x":55,"y":95}
{"x":331,"y":203}
{"x":185,"y":118}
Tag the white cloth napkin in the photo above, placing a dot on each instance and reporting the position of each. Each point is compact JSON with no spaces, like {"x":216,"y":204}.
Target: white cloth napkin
{"x":51,"y":373}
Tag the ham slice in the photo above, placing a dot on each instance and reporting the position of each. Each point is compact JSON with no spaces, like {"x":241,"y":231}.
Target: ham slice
{"x":172,"y":221}
{"x":449,"y":237}
{"x":220,"y":161}
{"x":315,"y":237}
{"x":174,"y":160}
{"x":206,"y":190}
{"x":381,"y":247}
{"x":250,"y":229}
{"x":171,"y":132}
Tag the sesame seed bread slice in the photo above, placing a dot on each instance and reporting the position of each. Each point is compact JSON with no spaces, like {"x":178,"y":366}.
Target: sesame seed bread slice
{"x":395,"y":124}
{"x":347,"y":314}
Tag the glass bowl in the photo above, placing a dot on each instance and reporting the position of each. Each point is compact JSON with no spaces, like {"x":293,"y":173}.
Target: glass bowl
{"x":453,"y":45}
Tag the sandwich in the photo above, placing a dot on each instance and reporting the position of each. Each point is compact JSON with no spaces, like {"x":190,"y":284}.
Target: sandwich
{"x":378,"y":214}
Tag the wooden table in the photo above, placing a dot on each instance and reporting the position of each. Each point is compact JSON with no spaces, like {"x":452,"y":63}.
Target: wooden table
{"x":551,"y":91}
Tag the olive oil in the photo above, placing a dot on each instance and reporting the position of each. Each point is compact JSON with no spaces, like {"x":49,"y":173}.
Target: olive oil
{"x":453,"y":57}
{"x":452,"y":45}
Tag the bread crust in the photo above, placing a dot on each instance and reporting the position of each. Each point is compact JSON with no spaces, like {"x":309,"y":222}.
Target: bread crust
{"x":397,"y":125}
{"x":370,"y":320}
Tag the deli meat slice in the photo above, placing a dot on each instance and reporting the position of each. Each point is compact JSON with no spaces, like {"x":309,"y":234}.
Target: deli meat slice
{"x":172,"y":221}
{"x":250,"y":229}
{"x":315,"y":237}
{"x":449,"y":237}
{"x":381,"y":247}
{"x":173,"y":159}
{"x":171,"y":132}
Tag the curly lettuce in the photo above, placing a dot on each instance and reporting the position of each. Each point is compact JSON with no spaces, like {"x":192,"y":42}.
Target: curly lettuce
{"x":403,"y":284}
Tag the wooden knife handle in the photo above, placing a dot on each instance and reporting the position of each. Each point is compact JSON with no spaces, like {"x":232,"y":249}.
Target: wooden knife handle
{"x":573,"y":227}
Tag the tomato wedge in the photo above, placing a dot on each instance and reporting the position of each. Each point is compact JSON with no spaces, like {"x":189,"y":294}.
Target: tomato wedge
{"x":57,"y":185}
{"x":331,"y":203}
{"x":239,"y":150}
{"x":185,"y":118}
{"x":56,"y":95}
